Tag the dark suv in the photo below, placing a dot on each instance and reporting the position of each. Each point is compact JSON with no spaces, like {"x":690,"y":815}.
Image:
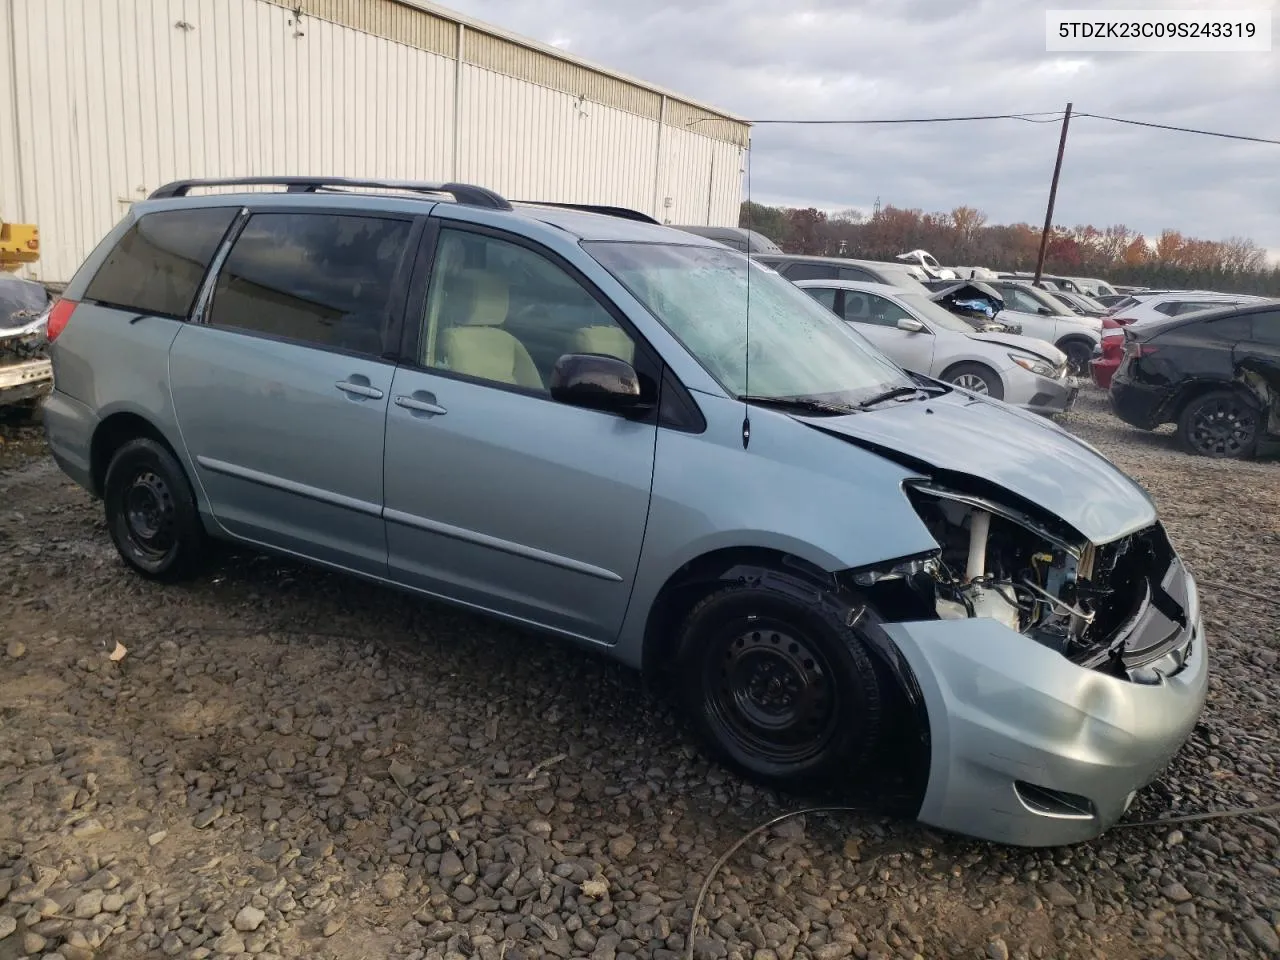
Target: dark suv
{"x":1216,"y":374}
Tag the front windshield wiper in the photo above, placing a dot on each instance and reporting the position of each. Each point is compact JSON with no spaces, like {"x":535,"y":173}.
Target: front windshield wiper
{"x":801,"y":404}
{"x":894,"y":393}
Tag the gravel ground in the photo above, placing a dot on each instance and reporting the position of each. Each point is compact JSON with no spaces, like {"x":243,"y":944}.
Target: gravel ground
{"x":290,"y":764}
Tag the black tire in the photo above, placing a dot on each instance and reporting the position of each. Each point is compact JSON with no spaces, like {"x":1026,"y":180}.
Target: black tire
{"x":1220,"y":424}
{"x":151,"y":512}
{"x":1079,"y":353}
{"x":976,"y":377}
{"x":779,"y":688}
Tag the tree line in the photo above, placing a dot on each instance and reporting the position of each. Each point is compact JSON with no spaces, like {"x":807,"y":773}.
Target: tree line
{"x":963,"y":237}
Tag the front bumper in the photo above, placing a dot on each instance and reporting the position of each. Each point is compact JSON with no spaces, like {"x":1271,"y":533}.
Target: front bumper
{"x":1039,"y":394}
{"x":25,"y":380}
{"x":1029,"y":749}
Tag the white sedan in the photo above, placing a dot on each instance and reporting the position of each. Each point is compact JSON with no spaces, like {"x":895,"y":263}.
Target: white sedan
{"x":924,"y":338}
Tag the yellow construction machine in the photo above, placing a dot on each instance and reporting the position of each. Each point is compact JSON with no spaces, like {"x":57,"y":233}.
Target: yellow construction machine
{"x":19,"y":244}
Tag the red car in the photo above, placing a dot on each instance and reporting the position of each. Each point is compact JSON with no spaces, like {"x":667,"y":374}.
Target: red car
{"x":1102,"y":368}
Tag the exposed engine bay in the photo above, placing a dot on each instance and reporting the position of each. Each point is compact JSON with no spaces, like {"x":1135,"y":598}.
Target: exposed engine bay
{"x":1101,"y":607}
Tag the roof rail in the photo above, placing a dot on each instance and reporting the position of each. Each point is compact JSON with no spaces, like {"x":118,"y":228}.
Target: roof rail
{"x":623,"y":212}
{"x":462,"y":192}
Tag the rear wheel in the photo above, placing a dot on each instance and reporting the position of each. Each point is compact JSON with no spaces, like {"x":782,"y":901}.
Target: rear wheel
{"x":977,"y":378}
{"x":779,"y":687}
{"x":151,"y":512}
{"x":1221,"y":423}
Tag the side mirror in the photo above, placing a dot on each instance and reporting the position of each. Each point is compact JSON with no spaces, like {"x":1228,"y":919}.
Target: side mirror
{"x":1044,"y":311}
{"x":597,"y":382}
{"x":910,"y":324}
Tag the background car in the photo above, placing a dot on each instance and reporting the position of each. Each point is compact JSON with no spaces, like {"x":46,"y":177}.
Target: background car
{"x":1080,"y":304}
{"x":795,"y":268}
{"x":1153,"y":305}
{"x":1216,"y":374}
{"x":973,"y":302}
{"x":25,"y":371}
{"x":921,"y":336}
{"x":1045,"y":318}
{"x":739,"y":238}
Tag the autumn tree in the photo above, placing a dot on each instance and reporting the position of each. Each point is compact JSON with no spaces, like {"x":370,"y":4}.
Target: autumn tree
{"x":963,"y":237}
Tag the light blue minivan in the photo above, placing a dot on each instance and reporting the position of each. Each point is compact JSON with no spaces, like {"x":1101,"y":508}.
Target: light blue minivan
{"x":630,"y":436}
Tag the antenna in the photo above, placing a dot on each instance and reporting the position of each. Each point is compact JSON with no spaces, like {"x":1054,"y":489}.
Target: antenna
{"x":746,"y":377}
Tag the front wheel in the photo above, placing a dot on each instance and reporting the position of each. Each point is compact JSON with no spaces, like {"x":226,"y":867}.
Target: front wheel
{"x":151,"y":512}
{"x":1220,"y":424}
{"x":1079,"y":353}
{"x":779,"y":687}
{"x":976,"y":378}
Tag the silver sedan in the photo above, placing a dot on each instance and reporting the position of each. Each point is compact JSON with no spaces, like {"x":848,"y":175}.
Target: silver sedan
{"x":921,"y":336}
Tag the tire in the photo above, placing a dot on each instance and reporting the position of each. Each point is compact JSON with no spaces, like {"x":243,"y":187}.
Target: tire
{"x":978,"y":378}
{"x":1220,"y":424}
{"x":779,"y":688}
{"x":151,"y":512}
{"x":1079,"y":353}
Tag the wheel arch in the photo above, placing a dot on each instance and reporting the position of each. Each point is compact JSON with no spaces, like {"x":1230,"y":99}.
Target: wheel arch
{"x":1197,"y":387}
{"x":802,"y":579}
{"x":115,"y":430}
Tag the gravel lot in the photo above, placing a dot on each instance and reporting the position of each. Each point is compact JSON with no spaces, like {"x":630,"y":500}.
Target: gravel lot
{"x":291,"y":764}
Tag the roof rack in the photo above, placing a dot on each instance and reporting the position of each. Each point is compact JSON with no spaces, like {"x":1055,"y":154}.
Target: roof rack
{"x":623,"y":212}
{"x":462,"y":192}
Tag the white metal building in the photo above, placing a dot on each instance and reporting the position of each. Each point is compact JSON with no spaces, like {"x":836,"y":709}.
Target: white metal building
{"x":102,"y":101}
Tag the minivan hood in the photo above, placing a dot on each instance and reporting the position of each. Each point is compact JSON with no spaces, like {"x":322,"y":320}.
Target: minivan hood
{"x":1039,"y":348}
{"x":1018,"y":451}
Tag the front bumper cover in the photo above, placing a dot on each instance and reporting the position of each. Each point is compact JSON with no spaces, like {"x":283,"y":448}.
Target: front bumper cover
{"x":1030,"y":749}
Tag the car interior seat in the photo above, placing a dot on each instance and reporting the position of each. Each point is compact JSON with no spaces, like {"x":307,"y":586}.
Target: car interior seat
{"x":475,"y":343}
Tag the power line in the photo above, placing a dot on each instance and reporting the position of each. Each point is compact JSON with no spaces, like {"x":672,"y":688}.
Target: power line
{"x":1165,"y":126}
{"x":1051,"y":116}
{"x":1043,"y":116}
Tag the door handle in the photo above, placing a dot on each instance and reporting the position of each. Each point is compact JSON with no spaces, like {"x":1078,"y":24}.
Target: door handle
{"x":359,"y":389}
{"x":418,"y":405}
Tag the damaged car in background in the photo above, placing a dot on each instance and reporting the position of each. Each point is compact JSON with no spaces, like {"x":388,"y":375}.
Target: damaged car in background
{"x":25,"y":372}
{"x":1215,"y":373}
{"x":696,"y":468}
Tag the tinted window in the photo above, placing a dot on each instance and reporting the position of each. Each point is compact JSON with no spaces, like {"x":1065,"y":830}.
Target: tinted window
{"x":501,"y":312}
{"x":1230,"y":329}
{"x":317,"y":278}
{"x":810,"y":271}
{"x":159,"y":263}
{"x":1266,"y":328}
{"x":852,"y":273}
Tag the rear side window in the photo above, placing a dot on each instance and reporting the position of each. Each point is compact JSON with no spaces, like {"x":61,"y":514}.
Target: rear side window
{"x":1266,"y":328}
{"x":158,"y":265}
{"x":316,"y":278}
{"x":852,"y":273}
{"x":810,"y":271}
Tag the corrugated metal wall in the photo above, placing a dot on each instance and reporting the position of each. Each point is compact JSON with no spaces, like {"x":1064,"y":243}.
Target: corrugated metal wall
{"x":101,"y":101}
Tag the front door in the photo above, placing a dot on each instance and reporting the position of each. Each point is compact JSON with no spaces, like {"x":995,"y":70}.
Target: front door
{"x":281,"y":391}
{"x":498,"y":496}
{"x":876,"y":318}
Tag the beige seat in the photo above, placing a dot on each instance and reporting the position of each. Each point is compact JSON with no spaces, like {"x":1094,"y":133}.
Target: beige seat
{"x":610,"y":340}
{"x":476,"y":345}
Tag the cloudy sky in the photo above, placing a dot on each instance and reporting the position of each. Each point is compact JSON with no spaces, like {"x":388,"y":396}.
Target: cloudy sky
{"x":764,"y":59}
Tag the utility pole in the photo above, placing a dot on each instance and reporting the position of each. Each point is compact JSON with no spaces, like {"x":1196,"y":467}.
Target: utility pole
{"x":1053,"y":195}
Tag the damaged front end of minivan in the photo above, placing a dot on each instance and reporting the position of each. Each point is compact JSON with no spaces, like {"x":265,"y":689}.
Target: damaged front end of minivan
{"x":1053,"y":676}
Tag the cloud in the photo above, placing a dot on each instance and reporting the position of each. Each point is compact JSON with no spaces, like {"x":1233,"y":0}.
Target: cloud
{"x":922,"y":58}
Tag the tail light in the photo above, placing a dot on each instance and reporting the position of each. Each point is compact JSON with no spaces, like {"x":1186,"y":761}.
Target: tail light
{"x":59,"y":316}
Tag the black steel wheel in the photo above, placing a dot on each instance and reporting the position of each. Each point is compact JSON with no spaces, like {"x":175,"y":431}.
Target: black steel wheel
{"x":151,"y":511}
{"x":1220,"y":424}
{"x":778,"y":686}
